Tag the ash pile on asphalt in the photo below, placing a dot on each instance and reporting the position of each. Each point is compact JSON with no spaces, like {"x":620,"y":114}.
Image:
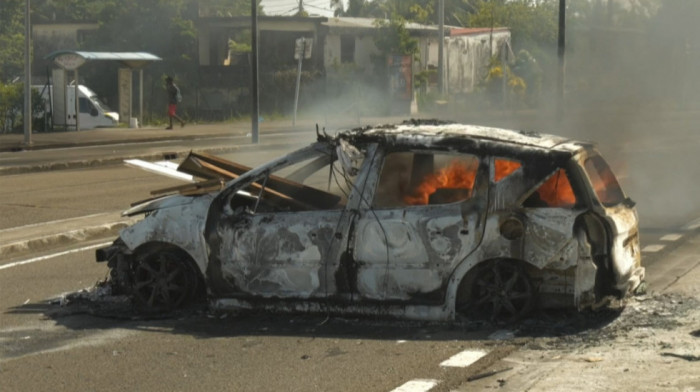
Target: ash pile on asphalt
{"x":593,"y":328}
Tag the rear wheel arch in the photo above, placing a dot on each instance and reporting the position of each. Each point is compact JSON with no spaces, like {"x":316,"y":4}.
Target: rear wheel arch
{"x":501,"y":287}
{"x":593,"y":229}
{"x":596,"y":232}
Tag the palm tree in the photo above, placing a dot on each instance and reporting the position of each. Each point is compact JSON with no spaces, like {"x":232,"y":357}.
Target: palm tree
{"x":337,"y":6}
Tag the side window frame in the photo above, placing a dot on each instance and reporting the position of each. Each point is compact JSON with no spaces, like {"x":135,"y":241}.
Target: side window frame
{"x":571,"y":177}
{"x":479,"y":176}
{"x":260,"y":182}
{"x":494,"y":170}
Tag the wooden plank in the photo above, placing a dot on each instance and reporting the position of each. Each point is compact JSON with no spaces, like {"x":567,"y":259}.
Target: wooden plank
{"x":209,"y":166}
{"x":192,"y":165}
{"x":268,"y":191}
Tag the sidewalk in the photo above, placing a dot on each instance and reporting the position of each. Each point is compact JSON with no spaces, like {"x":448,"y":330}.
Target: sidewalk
{"x":148,"y":133}
{"x":99,"y":136}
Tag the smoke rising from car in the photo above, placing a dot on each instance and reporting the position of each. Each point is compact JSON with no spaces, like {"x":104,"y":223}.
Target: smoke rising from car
{"x":631,"y":87}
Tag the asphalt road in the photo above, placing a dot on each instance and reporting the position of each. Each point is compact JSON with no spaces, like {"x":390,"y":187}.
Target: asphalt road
{"x":46,"y":347}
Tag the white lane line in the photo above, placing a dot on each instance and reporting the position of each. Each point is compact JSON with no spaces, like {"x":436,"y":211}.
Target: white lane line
{"x":51,"y":256}
{"x":59,"y":221}
{"x":693,"y":225}
{"x":652,"y":248}
{"x":419,"y":385}
{"x":671,"y":237}
{"x":463,"y":359}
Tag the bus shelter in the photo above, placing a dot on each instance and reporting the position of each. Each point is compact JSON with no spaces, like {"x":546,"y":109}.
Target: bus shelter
{"x":72,"y":60}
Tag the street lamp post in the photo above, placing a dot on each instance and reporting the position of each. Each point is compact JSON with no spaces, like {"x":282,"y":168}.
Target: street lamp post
{"x":561,"y":51}
{"x":254,"y":70}
{"x":441,"y":47}
{"x":27,"y":77}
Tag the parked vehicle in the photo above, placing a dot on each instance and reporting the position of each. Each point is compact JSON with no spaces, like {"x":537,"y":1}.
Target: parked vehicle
{"x":93,"y":112}
{"x":422,"y":220}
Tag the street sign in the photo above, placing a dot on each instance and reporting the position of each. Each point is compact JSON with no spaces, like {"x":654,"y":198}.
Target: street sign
{"x":303,"y":45}
{"x":69,"y":61}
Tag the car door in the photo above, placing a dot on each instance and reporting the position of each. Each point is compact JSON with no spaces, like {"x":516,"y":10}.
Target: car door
{"x":550,"y":213}
{"x":283,"y":235}
{"x":282,"y":255}
{"x":419,"y":225}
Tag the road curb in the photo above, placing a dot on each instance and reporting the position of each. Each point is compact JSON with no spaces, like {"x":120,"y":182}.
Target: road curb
{"x":50,"y":146}
{"x":37,"y":244}
{"x":6,"y":171}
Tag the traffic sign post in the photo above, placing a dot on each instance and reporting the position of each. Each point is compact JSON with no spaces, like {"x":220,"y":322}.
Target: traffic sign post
{"x":302,"y":50}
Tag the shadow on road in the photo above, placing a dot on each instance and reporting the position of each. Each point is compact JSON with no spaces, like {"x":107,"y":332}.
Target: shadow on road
{"x":85,"y":314}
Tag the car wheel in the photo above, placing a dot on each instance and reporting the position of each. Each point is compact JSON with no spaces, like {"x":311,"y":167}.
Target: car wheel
{"x":499,"y":290}
{"x":163,"y":281}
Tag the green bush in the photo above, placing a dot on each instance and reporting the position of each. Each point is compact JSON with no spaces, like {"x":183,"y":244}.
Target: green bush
{"x":12,"y":109}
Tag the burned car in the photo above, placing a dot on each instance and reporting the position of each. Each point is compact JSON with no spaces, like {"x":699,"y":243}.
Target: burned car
{"x":422,"y":220}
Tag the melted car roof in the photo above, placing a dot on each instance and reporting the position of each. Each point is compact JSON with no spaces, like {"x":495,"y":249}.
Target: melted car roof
{"x":426,"y":135}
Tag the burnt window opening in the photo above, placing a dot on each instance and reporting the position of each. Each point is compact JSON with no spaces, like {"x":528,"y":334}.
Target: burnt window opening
{"x":320,"y":182}
{"x":555,"y":192}
{"x":603,"y":181}
{"x":504,"y":167}
{"x":347,"y":48}
{"x":413,"y":179}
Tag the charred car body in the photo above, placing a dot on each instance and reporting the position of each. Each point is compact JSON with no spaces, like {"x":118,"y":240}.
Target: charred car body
{"x":419,"y":220}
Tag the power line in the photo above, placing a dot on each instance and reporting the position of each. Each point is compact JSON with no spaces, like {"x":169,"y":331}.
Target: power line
{"x":278,"y":6}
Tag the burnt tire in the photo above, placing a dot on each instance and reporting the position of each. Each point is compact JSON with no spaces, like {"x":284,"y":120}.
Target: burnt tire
{"x":163,"y":281}
{"x":497,"y":291}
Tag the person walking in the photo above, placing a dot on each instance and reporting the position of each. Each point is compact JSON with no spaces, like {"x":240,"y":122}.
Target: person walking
{"x":174,"y":98}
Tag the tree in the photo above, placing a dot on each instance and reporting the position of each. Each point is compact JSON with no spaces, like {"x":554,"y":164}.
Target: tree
{"x":67,"y":11}
{"x":227,"y":8}
{"x":11,"y":39}
{"x":392,"y":37}
{"x":420,"y":11}
{"x":530,"y":23}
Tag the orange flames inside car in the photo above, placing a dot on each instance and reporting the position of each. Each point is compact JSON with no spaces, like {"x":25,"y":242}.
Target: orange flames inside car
{"x":557,"y":191}
{"x":504,"y":168}
{"x":460,"y":175}
{"x":457,"y":175}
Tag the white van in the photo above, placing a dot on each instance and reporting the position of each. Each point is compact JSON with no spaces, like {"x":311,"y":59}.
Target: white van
{"x":93,"y":112}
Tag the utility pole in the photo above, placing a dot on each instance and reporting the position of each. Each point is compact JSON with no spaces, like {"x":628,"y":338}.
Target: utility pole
{"x":561,"y":51}
{"x":441,"y":47}
{"x":254,"y":70}
{"x":27,"y":76}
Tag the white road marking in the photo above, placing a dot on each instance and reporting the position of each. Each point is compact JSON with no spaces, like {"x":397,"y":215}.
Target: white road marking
{"x":693,"y":225}
{"x":419,"y":385}
{"x":59,"y":221}
{"x":463,"y":359}
{"x":51,"y":256}
{"x":653,"y":248}
{"x":671,"y":237}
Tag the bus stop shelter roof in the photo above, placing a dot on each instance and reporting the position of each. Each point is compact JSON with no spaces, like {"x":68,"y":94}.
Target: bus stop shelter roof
{"x":130,"y":59}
